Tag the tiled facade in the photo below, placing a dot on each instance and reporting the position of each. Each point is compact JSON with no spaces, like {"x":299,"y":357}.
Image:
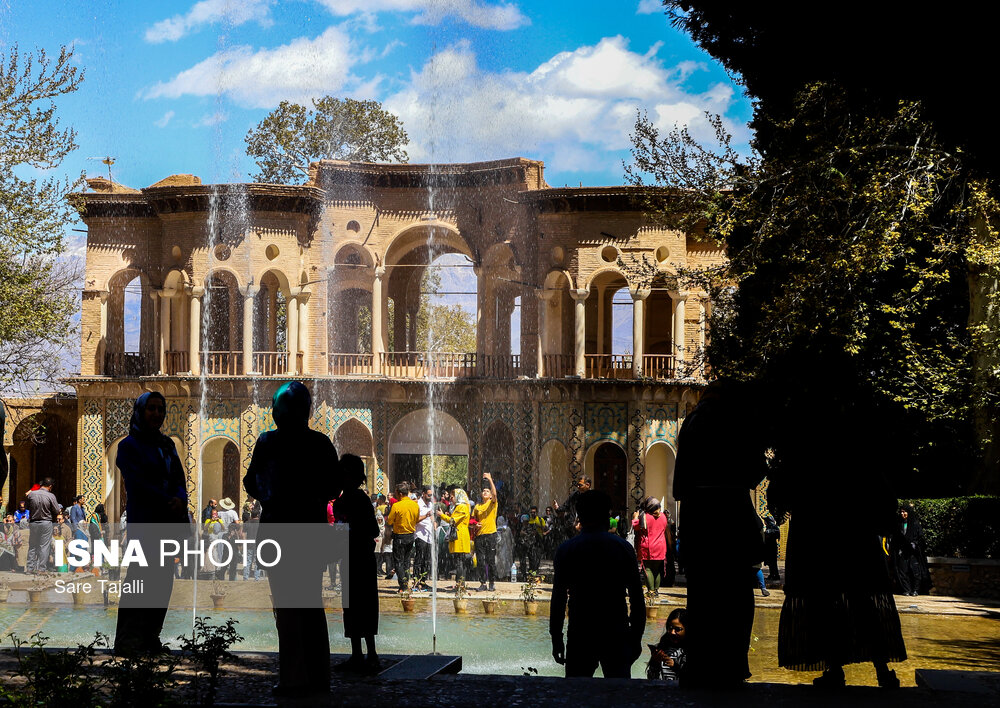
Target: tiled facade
{"x":246,"y":286}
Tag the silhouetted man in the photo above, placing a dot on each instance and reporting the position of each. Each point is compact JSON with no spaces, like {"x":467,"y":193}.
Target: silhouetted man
{"x":596,"y":569}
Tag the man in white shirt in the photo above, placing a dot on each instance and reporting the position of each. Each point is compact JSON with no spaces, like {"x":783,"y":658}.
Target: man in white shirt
{"x":424,"y":536}
{"x":227,"y":512}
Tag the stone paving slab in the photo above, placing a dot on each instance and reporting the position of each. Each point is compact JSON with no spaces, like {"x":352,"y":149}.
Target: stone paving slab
{"x":947,"y":681}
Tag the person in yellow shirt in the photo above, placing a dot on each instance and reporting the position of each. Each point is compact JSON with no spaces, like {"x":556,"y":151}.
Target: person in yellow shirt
{"x":403,"y":520}
{"x":486,"y":540}
{"x":460,"y":547}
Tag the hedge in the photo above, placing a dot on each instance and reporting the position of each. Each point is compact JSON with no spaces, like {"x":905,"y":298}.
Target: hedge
{"x":962,"y":527}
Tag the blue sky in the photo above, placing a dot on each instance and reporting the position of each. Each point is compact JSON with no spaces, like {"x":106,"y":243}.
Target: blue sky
{"x":175,"y":86}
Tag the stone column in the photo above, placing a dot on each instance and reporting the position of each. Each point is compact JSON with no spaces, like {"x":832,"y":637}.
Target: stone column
{"x":248,"y":295}
{"x":378,"y":344}
{"x":705,"y":312}
{"x":303,"y":300}
{"x":194,"y":339}
{"x":579,"y":330}
{"x":600,"y":321}
{"x":638,"y":329}
{"x":102,"y":342}
{"x":164,"y":303}
{"x":292,"y":305}
{"x":411,"y":331}
{"x":677,"y":301}
{"x":482,"y":342}
{"x":544,"y":303}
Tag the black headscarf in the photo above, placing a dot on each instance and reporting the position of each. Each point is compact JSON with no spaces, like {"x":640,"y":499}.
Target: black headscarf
{"x":291,"y":406}
{"x":137,"y":427}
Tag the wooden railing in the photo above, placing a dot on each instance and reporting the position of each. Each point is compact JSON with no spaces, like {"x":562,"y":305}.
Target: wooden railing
{"x":608,"y":366}
{"x":222,"y":363}
{"x":425,"y":365}
{"x":352,"y":364}
{"x":176,"y":362}
{"x":498,"y":366}
{"x":129,"y":364}
{"x":658,"y":366}
{"x":558,"y":366}
{"x":272,"y":363}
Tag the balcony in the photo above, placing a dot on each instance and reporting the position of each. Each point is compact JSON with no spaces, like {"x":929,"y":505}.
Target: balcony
{"x":129,"y":364}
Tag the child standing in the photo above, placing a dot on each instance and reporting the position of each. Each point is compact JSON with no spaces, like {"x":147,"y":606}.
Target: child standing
{"x":668,"y":658}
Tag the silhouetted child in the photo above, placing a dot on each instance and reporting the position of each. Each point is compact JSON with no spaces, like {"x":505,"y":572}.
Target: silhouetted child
{"x":668,"y":658}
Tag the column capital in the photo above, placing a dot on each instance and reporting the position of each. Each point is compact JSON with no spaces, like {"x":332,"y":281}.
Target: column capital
{"x":543,"y":294}
{"x":101,"y":294}
{"x":195,"y":290}
{"x":640,"y":293}
{"x":579,"y":294}
{"x":250,"y":290}
{"x":379,"y":272}
{"x":679,"y":295}
{"x":303,"y":296}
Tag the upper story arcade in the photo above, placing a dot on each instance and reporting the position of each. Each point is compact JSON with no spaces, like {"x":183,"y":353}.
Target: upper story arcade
{"x":328,"y":279}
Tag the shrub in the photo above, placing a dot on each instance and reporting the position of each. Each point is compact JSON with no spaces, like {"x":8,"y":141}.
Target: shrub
{"x":964,"y":527}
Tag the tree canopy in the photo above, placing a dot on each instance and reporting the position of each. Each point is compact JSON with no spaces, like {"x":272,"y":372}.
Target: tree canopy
{"x":37,"y":300}
{"x":292,"y":136}
{"x":863,"y":250}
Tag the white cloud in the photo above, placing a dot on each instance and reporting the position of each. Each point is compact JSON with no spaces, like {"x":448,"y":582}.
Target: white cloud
{"x":497,"y":16}
{"x":210,"y":119}
{"x":232,"y":12}
{"x":303,"y":69}
{"x":162,"y":122}
{"x":576,"y":109}
{"x":649,"y":7}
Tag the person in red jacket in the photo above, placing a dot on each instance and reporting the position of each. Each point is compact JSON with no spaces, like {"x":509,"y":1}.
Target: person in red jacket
{"x":652,"y":530}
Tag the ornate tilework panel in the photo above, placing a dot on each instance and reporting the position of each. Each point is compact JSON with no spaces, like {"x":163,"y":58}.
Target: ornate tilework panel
{"x":175,"y":424}
{"x":575,"y":443}
{"x":191,"y":458}
{"x":554,"y":422}
{"x":222,"y":419}
{"x":93,"y":452}
{"x":117,"y":417}
{"x":635,"y":448}
{"x":339,"y":416}
{"x":662,"y":423}
{"x":606,"y":421}
{"x":248,"y":430}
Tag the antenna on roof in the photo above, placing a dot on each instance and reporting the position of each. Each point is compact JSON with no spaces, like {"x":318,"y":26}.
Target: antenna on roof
{"x":107,"y":160}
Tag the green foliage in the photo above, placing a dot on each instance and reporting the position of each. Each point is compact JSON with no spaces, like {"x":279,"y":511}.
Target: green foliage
{"x":963,"y":527}
{"x":36,"y":296}
{"x":443,"y":327}
{"x":207,"y":648}
{"x":448,"y":469}
{"x":292,"y":136}
{"x":850,"y":245}
{"x":53,"y":677}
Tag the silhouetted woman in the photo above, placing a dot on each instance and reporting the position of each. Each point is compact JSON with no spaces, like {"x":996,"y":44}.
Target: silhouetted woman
{"x":831,"y":618}
{"x":360,"y":573}
{"x":155,"y":495}
{"x":910,"y":554}
{"x":720,"y":458}
{"x":294,"y":473}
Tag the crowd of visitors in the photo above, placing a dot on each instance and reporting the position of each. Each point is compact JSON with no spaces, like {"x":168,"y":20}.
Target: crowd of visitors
{"x":600,"y":563}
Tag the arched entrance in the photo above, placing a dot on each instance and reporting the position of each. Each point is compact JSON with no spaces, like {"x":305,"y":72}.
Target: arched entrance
{"x":659,"y":481}
{"x":607,"y":465}
{"x":498,"y":460}
{"x":220,"y":470}
{"x":44,"y":445}
{"x":553,"y":474}
{"x":424,"y":433}
{"x":354,"y":438}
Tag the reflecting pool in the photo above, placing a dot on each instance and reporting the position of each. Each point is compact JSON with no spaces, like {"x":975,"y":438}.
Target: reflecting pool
{"x":511,"y":644}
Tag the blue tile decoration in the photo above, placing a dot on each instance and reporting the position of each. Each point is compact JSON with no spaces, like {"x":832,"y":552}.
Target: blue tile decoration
{"x":118,"y":413}
{"x":92,"y":452}
{"x":606,"y":421}
{"x":222,"y":419}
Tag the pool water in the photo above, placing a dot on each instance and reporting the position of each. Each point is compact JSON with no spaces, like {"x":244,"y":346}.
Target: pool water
{"x":511,"y":644}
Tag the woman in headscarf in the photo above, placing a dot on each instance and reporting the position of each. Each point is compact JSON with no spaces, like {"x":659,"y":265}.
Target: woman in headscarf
{"x":294,"y":473}
{"x":911,"y":555}
{"x":358,"y":569}
{"x":155,"y":494}
{"x":653,"y":534}
{"x":459,"y":547}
